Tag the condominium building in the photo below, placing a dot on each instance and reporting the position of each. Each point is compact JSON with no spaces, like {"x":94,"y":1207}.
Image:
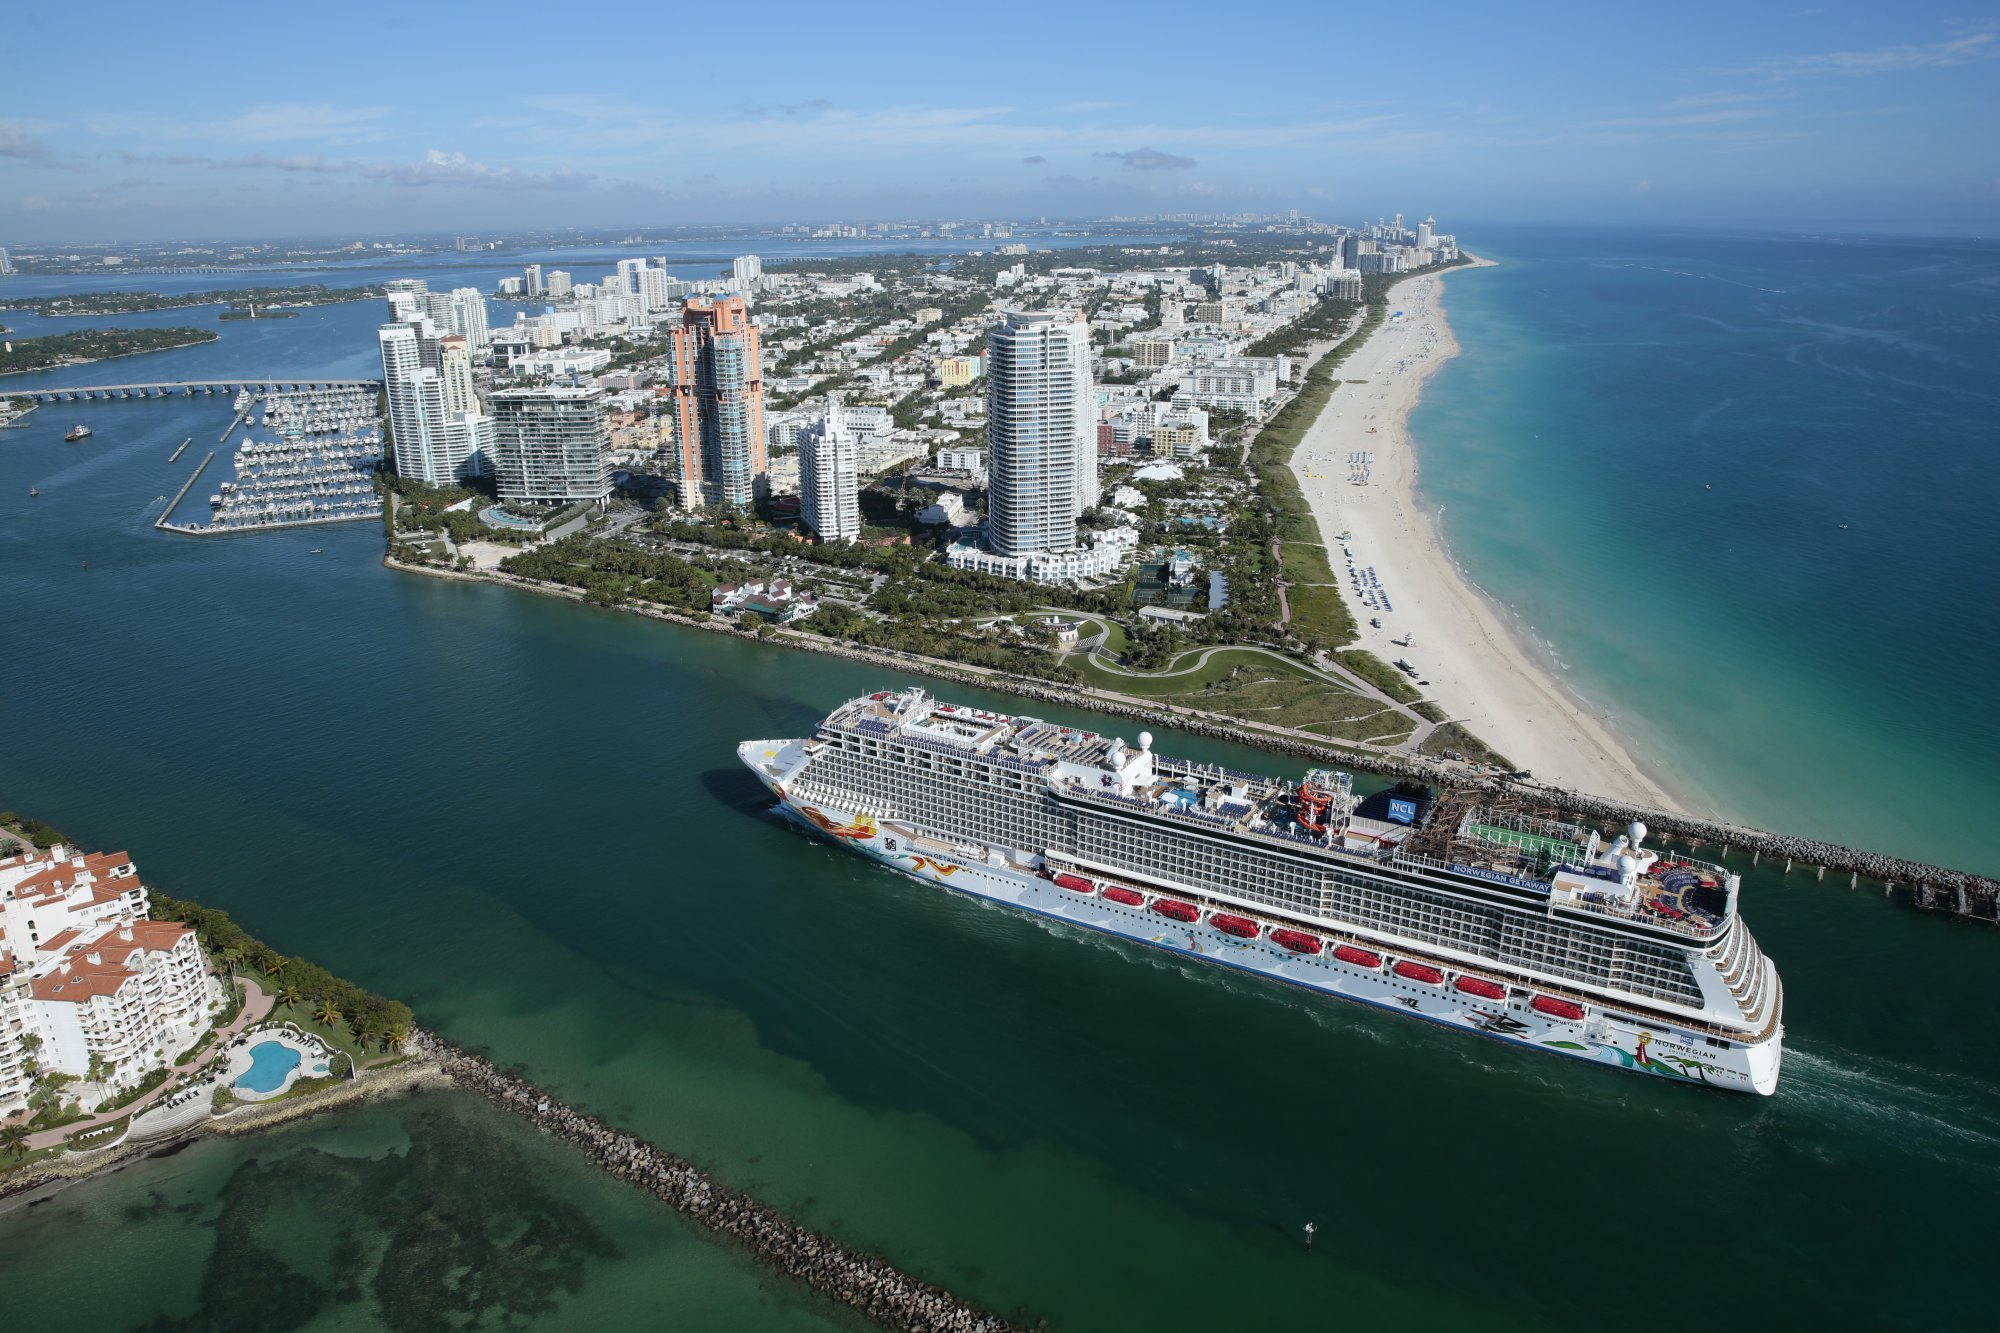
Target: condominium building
{"x":1040,"y":432}
{"x":717,"y":380}
{"x":102,"y":990}
{"x":830,"y":477}
{"x":551,"y":446}
{"x":468,"y":317}
{"x":435,"y":443}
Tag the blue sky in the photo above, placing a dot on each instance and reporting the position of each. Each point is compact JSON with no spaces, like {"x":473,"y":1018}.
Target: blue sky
{"x":141,"y":121}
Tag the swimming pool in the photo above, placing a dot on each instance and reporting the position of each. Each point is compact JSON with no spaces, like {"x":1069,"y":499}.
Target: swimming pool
{"x":270,"y":1063}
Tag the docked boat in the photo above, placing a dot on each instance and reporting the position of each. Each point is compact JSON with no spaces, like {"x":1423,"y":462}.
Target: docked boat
{"x":1534,"y":902}
{"x":77,"y":432}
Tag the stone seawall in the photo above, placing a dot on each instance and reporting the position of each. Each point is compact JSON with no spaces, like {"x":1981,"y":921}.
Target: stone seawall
{"x":1930,"y":888}
{"x":866,"y":1283}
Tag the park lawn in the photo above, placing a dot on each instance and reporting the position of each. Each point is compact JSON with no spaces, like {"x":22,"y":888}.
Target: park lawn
{"x":1287,"y":699}
{"x":1161,"y":684}
{"x":335,"y":1035}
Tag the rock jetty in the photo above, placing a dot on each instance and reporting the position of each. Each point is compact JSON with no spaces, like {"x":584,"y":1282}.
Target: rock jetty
{"x":1930,"y":888}
{"x":869,"y":1284}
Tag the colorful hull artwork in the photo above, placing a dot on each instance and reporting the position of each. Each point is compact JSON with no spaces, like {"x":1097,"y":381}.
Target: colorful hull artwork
{"x":1647,"y":1049}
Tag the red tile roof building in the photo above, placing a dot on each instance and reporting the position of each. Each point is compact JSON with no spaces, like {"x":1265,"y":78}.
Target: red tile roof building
{"x":82,"y":969}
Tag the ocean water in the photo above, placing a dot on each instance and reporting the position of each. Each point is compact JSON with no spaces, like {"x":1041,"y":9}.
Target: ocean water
{"x":1740,"y":489}
{"x":525,"y":818}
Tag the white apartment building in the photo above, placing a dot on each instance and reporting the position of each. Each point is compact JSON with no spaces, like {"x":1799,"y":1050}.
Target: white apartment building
{"x":1040,"y":432}
{"x":84,"y":971}
{"x":435,"y":443}
{"x":1235,"y":384}
{"x":830,"y":477}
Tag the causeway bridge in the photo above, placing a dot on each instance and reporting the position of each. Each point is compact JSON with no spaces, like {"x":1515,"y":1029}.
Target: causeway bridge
{"x":188,"y":388}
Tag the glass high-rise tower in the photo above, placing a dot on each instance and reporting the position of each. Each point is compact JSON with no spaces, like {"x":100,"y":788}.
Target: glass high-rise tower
{"x":718,"y":384}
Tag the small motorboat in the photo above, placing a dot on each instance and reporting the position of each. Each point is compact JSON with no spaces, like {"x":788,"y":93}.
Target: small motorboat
{"x":34,"y":492}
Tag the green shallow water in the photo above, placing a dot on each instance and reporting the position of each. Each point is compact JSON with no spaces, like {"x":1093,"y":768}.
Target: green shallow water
{"x":432,"y":1212}
{"x":525,"y":817}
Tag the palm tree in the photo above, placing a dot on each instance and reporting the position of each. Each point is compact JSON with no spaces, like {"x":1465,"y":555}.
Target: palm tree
{"x":14,"y":1139}
{"x":393,"y":1039}
{"x":327,"y":1012}
{"x":289,"y":996}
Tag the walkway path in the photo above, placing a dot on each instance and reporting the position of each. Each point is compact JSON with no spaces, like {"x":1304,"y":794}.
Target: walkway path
{"x":256,"y":1007}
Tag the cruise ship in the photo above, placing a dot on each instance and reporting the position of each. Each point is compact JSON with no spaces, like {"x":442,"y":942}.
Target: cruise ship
{"x":1469,"y":910}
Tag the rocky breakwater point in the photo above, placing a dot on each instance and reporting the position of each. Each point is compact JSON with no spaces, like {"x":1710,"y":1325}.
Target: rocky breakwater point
{"x":869,"y":1284}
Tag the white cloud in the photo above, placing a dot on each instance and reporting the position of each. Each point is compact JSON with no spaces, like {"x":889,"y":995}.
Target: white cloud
{"x":1886,"y":60}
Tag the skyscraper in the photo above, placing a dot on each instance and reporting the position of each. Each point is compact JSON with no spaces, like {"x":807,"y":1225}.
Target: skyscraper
{"x":718,"y":384}
{"x":6,"y":264}
{"x":559,"y":282}
{"x":1426,"y":232}
{"x":552,"y":446}
{"x":468,"y":317}
{"x":830,"y":477}
{"x":1041,"y":441}
{"x":435,"y":443}
{"x":533,"y":273}
{"x":455,"y":369}
{"x":747,"y":272}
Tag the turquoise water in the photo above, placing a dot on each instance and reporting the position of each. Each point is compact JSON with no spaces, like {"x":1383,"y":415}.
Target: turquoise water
{"x":270,"y":1063}
{"x":1742,"y":490}
{"x":525,"y":817}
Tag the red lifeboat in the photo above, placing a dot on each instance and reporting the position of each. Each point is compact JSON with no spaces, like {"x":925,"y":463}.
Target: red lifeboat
{"x":1176,"y":909}
{"x":1075,"y":883}
{"x":1480,"y":986}
{"x":1240,"y":926}
{"x":1555,"y":1008}
{"x":1130,"y":897}
{"x":1347,"y":953}
{"x":1295,"y":940}
{"x":1423,"y":972}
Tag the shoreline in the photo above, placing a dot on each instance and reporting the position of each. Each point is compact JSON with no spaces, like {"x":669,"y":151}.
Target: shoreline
{"x":115,"y":356}
{"x":1480,"y":669}
{"x":1931,"y":888}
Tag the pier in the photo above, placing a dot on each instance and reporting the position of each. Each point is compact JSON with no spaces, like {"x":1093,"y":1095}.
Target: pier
{"x":189,"y":388}
{"x":863,"y":1282}
{"x":176,"y":457}
{"x":181,"y":494}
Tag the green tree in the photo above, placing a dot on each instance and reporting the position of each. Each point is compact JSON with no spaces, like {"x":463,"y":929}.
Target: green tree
{"x":14,"y":1139}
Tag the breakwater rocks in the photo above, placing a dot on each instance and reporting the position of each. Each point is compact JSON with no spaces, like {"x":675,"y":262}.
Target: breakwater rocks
{"x":868,"y":1284}
{"x":1928,"y":888}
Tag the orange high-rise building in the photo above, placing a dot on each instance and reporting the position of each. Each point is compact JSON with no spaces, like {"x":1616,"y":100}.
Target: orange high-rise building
{"x":718,"y":386}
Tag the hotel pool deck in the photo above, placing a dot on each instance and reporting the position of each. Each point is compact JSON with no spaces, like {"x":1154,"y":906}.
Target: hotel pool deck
{"x":270,"y":1061}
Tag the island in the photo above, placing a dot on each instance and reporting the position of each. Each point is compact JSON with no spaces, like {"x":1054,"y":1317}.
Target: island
{"x":57,"y":350}
{"x":264,"y":298}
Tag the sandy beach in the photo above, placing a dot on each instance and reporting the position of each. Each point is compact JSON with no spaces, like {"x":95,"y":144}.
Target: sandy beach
{"x":1359,"y":473}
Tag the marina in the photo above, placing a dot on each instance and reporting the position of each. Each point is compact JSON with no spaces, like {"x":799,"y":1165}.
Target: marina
{"x":320,"y":468}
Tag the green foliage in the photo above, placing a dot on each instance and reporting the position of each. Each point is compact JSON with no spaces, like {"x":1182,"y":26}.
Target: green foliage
{"x":66,"y":349}
{"x":264,"y":298}
{"x":367,"y":1015}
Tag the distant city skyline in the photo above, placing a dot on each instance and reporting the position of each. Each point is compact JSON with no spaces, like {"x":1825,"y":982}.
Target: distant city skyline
{"x":262,"y":122}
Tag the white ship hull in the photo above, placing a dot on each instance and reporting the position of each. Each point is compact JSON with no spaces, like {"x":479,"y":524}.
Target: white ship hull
{"x":1659,"y":1049}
